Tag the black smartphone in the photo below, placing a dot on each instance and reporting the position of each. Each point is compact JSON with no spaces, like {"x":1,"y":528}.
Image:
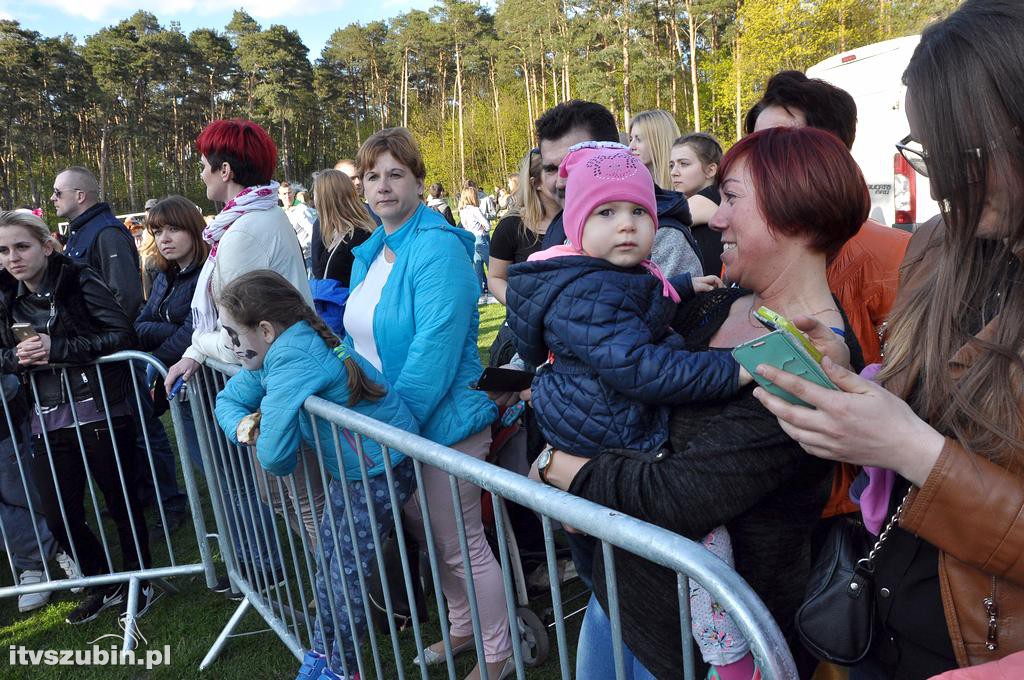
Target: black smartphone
{"x":503,"y":380}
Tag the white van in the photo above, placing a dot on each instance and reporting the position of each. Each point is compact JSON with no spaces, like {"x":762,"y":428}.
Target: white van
{"x":873,"y":75}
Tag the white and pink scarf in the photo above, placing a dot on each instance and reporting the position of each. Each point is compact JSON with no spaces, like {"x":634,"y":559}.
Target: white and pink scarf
{"x":250,"y":199}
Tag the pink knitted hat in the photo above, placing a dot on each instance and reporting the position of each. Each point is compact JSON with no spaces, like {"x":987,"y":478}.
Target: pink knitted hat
{"x":599,"y":175}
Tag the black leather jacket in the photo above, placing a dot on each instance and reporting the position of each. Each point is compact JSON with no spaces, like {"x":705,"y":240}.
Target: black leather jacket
{"x":98,"y":239}
{"x":84,"y":321}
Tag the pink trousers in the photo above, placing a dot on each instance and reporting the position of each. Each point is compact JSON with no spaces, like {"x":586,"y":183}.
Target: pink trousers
{"x":490,"y":593}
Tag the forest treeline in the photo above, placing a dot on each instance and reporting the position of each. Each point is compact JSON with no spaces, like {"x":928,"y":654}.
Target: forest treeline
{"x":129,"y":100}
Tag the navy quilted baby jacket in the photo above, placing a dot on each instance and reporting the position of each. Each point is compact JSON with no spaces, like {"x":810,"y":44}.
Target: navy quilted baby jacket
{"x":618,"y":366}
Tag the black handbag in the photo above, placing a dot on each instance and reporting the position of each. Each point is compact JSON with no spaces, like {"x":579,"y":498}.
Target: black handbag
{"x":836,"y":620}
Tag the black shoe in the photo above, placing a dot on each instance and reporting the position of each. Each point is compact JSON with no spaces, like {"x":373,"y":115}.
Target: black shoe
{"x":224,"y":586}
{"x":147,"y":596}
{"x":175,"y":518}
{"x":94,"y":603}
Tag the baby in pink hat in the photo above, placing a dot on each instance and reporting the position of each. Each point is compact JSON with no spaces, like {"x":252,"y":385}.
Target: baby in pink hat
{"x":602,"y":310}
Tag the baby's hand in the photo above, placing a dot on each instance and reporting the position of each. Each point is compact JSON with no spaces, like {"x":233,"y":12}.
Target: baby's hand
{"x":702,"y":284}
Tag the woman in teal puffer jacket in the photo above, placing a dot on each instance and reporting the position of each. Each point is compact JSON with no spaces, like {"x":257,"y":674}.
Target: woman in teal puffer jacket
{"x":288,"y":355}
{"x":412,"y":314}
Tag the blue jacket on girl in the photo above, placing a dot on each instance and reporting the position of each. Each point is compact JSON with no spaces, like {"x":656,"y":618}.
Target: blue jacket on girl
{"x":426,"y":324}
{"x":618,"y":366}
{"x":299,"y":365}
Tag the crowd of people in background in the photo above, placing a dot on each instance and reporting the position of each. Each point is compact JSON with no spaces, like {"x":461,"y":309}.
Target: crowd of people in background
{"x":629,"y":272}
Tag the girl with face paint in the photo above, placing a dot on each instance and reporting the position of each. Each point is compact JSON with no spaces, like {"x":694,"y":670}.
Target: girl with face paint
{"x":288,"y":354}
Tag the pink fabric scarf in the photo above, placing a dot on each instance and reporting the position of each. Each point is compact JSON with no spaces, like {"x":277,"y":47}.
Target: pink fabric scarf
{"x":250,"y":199}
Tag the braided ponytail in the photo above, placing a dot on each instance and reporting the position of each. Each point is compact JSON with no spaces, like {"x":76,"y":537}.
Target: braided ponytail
{"x":330,"y":339}
{"x":360,"y":387}
{"x":265,"y":295}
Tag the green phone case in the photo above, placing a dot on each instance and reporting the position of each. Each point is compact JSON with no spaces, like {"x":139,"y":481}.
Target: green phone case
{"x":780,"y":350}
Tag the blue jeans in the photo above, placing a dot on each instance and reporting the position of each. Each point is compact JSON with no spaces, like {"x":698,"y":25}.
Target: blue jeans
{"x":163,"y":458}
{"x":336,"y":644}
{"x":250,"y":544}
{"x":17,"y":522}
{"x":583,"y":548}
{"x":481,"y":252}
{"x":595,"y":657}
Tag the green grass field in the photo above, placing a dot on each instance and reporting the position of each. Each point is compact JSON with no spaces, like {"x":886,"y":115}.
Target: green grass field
{"x":189,"y":621}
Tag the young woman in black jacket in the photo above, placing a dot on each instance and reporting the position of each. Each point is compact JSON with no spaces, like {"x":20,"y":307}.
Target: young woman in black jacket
{"x":74,"y":320}
{"x":165,"y":325}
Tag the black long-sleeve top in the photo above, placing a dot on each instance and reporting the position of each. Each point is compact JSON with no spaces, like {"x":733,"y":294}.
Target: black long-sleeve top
{"x":731,"y":465}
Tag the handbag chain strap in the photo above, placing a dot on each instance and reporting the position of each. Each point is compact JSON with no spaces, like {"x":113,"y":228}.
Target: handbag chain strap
{"x":888,"y":528}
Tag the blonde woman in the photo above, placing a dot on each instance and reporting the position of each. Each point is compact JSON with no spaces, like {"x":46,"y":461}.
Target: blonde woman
{"x":651,"y":134}
{"x":521,"y":233}
{"x":474,"y":221}
{"x":342,"y":224}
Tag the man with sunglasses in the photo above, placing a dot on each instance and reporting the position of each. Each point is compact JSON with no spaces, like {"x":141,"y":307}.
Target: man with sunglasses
{"x":97,"y":238}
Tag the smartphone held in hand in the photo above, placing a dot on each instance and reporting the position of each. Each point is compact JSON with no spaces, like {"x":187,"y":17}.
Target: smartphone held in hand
{"x":785,"y":348}
{"x":24,"y":331}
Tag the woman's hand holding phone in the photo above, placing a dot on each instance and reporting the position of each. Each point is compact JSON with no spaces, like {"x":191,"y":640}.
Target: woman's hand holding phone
{"x":860,"y":422}
{"x":35,"y":351}
{"x":825,"y":339}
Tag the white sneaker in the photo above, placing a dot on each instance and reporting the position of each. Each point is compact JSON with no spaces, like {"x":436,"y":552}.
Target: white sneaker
{"x":70,"y":568}
{"x":30,"y":601}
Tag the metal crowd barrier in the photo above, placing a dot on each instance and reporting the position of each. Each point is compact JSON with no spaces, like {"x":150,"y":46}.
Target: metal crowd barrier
{"x":279,"y":587}
{"x":23,"y":475}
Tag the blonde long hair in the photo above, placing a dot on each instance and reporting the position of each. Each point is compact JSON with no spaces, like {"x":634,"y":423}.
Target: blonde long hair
{"x":468,"y":197}
{"x":338,"y":207}
{"x":658,"y":129}
{"x":531,"y":206}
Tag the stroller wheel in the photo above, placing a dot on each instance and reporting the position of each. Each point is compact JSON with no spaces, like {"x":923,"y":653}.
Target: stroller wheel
{"x":533,"y":637}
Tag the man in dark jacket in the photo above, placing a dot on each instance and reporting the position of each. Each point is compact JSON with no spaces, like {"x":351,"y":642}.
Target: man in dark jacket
{"x":97,"y":238}
{"x":576,"y":121}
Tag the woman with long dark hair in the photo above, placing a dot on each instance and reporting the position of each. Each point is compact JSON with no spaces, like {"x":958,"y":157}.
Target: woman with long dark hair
{"x":944,"y":432}
{"x":164,"y":326}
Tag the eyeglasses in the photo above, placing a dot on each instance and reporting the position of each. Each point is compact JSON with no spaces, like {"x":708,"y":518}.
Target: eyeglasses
{"x":57,"y":192}
{"x":915,"y":155}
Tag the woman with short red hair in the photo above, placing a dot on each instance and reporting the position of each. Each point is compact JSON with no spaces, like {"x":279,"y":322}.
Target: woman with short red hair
{"x":791,"y":198}
{"x":250,"y":233}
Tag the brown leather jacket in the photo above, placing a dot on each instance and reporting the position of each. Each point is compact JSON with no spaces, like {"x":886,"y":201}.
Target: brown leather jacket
{"x":972,"y":510}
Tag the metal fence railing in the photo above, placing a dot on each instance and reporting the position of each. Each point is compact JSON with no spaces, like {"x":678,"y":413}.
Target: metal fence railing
{"x":283,"y":537}
{"x":79,"y":467}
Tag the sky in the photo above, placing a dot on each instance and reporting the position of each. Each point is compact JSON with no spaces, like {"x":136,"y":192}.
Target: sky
{"x":314,"y":20}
